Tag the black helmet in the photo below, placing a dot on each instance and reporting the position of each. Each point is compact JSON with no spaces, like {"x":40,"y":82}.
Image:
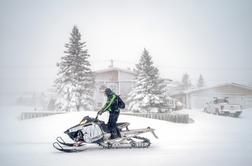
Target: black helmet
{"x":108,"y":92}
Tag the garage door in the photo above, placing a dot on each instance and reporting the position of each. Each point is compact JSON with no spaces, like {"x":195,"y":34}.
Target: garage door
{"x":247,"y":102}
{"x":198,"y":101}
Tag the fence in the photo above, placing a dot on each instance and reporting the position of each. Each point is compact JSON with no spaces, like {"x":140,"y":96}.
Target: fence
{"x":172,"y":117}
{"x":30,"y":115}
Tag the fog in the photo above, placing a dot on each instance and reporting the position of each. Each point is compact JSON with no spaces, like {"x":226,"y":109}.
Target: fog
{"x":211,"y":37}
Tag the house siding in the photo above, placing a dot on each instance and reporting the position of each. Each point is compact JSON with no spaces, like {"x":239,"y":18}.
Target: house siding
{"x":236,"y":95}
{"x":119,"y":81}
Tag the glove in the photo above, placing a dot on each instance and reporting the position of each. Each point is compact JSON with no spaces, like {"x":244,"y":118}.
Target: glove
{"x":100,"y":112}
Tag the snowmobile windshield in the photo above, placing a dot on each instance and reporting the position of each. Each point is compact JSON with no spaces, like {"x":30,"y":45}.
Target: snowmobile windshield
{"x":86,"y":119}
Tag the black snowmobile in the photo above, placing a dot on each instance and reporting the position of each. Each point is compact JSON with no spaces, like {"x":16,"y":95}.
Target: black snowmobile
{"x":94,"y":131}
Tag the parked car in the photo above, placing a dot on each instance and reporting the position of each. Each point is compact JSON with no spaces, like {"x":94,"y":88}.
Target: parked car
{"x":223,"y":107}
{"x":179,"y":105}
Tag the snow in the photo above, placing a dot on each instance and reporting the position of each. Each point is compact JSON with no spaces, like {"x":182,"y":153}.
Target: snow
{"x":209,"y":140}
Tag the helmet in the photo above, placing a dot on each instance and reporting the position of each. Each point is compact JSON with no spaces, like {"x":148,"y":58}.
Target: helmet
{"x":108,"y":92}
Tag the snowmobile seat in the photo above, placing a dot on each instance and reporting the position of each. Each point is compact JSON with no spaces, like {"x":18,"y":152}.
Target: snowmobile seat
{"x":105,"y":128}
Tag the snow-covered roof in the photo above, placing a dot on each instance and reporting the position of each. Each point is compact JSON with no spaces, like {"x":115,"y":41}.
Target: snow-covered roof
{"x":168,"y":80}
{"x":114,"y":69}
{"x":219,"y":85}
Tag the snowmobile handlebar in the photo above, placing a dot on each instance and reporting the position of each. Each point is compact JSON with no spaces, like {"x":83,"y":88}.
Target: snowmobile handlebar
{"x":96,"y":116}
{"x":100,"y":112}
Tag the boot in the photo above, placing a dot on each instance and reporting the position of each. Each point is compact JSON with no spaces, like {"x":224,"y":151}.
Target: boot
{"x":113,"y":135}
{"x":118,"y":132}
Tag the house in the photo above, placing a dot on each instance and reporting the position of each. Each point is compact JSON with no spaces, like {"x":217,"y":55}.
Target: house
{"x":119,"y":80}
{"x":236,"y":93}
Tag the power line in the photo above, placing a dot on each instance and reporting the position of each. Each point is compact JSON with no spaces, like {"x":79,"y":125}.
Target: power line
{"x":47,"y":66}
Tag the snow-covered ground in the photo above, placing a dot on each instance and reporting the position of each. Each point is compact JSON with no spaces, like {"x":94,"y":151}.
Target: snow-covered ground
{"x":211,"y":140}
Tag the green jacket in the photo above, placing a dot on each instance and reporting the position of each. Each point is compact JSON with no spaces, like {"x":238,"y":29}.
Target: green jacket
{"x":111,"y":104}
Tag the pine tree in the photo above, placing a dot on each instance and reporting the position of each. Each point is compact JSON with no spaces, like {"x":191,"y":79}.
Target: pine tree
{"x":186,"y":82}
{"x":148,"y":91}
{"x":201,"y":82}
{"x":75,"y":80}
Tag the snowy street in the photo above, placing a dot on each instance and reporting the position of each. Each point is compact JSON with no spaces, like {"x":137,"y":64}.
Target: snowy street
{"x":210,"y":140}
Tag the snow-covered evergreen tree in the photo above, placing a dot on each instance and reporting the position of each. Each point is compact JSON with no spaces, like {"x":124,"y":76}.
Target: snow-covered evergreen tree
{"x":75,"y":80}
{"x":201,"y":82}
{"x":149,"y":90}
{"x":186,"y":82}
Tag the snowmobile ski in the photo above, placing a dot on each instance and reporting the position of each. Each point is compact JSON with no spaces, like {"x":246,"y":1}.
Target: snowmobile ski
{"x":68,"y":149}
{"x":62,"y":142}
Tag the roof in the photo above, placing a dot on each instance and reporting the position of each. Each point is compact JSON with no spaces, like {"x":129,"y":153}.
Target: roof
{"x":168,"y":80}
{"x":114,"y":69}
{"x":219,"y":85}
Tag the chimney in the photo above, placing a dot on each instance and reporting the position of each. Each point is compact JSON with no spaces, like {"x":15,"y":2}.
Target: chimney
{"x":111,"y":63}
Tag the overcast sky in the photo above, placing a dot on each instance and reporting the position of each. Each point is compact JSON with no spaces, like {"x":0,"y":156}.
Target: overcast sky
{"x":211,"y":37}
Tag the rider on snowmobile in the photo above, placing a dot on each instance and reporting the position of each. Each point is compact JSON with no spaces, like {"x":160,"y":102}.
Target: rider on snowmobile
{"x":113,"y":108}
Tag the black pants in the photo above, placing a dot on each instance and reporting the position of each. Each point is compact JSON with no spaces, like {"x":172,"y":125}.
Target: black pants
{"x":112,"y":124}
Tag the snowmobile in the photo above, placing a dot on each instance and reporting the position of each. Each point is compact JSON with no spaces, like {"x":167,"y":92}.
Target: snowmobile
{"x":94,"y":131}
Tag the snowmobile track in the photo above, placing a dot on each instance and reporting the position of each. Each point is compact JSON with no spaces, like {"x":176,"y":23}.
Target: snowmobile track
{"x":145,"y":143}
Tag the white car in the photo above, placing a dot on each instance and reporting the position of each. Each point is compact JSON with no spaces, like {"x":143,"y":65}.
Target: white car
{"x":223,"y":107}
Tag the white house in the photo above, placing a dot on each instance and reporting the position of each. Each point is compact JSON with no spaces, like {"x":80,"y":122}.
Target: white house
{"x":119,"y":80}
{"x":236,"y":93}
